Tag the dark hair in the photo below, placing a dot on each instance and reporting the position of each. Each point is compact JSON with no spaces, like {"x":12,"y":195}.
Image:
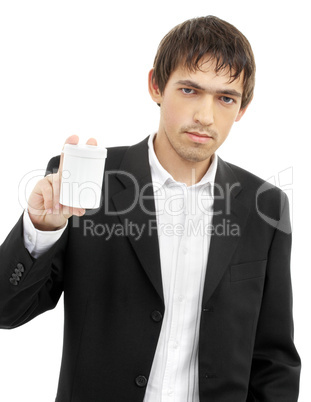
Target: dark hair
{"x":194,"y":39}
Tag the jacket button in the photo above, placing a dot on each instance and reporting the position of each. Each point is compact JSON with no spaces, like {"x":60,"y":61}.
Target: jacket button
{"x":156,"y":316}
{"x":15,"y":276}
{"x":141,"y":381}
{"x":210,"y":376}
{"x":20,"y":267}
{"x":17,"y":272}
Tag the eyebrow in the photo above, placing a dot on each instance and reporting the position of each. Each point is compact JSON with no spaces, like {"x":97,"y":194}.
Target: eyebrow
{"x":189,"y":83}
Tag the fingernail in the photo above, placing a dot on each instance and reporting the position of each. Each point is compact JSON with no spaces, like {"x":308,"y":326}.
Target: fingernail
{"x":49,"y":211}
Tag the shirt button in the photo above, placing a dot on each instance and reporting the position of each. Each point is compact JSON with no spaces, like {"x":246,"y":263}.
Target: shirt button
{"x":141,"y":381}
{"x":185,"y":250}
{"x":181,"y":298}
{"x":29,"y":238}
{"x":170,"y":392}
{"x":175,"y":345}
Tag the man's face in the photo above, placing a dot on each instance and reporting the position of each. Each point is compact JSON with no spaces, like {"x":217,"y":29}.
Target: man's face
{"x":198,"y":110}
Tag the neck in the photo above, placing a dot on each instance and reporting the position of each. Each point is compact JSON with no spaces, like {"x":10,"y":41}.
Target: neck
{"x":182,"y":170}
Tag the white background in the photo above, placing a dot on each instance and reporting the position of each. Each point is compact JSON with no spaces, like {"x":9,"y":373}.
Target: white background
{"x":80,"y":67}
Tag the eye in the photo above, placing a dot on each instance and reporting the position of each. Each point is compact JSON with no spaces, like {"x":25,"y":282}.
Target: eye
{"x":227,"y":100}
{"x":187,"y":91}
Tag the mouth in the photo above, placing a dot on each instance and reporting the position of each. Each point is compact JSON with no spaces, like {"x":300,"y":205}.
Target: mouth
{"x":199,"y":137}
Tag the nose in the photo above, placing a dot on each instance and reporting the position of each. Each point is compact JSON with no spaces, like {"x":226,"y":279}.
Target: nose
{"x":204,"y":111}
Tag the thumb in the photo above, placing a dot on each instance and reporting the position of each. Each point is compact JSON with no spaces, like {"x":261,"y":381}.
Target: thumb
{"x":91,"y":141}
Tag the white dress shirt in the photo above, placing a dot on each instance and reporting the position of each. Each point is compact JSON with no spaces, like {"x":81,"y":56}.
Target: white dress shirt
{"x":184,"y":218}
{"x":38,"y":241}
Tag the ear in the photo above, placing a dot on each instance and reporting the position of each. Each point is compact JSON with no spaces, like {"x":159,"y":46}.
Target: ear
{"x":154,"y":89}
{"x":242,"y":111}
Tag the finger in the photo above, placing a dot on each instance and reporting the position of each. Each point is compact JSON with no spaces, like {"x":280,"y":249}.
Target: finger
{"x":78,"y":211}
{"x":66,"y":211}
{"x":69,"y":211}
{"x":91,"y":141}
{"x":74,"y":140}
{"x":47,"y":193}
{"x":54,"y":179}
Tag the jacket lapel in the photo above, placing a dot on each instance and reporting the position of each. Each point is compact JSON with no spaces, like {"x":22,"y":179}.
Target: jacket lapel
{"x":229,"y":220}
{"x":135,"y":175}
{"x":229,"y":213}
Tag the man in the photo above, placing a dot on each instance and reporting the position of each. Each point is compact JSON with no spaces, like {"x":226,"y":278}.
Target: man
{"x":178,"y":288}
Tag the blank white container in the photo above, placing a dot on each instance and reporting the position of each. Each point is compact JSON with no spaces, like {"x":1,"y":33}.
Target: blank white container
{"x":82,"y":176}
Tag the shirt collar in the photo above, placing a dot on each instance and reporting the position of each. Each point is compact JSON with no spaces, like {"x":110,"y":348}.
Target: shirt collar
{"x":160,"y":176}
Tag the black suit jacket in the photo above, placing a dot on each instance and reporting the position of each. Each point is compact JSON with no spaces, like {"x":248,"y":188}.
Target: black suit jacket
{"x":113,"y":296}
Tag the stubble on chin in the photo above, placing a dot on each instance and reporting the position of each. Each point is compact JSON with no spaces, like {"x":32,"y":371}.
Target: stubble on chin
{"x":195,"y":152}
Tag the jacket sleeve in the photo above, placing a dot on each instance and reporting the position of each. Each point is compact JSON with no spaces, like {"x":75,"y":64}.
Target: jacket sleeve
{"x":276,"y":364}
{"x":29,"y":286}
